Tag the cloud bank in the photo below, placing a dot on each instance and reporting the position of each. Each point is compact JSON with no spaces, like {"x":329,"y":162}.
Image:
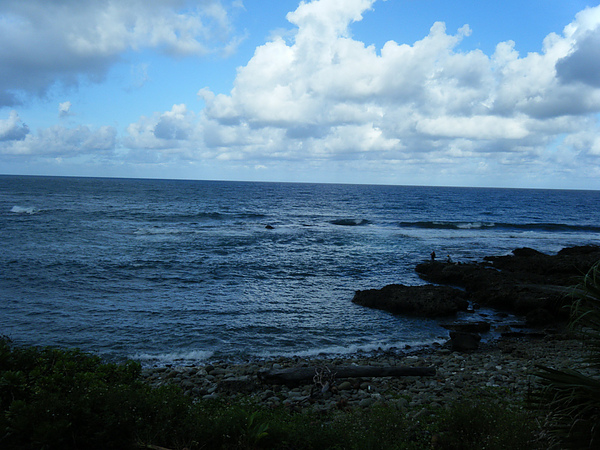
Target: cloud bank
{"x":43,"y":42}
{"x":320,"y":99}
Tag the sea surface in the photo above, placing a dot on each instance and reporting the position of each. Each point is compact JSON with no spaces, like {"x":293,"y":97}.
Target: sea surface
{"x":181,"y":272}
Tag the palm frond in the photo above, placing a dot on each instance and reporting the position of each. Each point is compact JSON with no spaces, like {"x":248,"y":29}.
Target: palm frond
{"x":585,"y":313}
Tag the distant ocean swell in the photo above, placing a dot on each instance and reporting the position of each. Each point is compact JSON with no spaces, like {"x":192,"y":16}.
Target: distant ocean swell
{"x":202,"y":218}
{"x":152,"y":216}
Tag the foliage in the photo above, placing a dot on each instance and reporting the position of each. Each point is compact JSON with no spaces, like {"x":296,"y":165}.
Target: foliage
{"x":585,"y":314}
{"x":55,"y":399}
{"x":479,"y":423}
{"x":52,"y":398}
{"x":571,"y":399}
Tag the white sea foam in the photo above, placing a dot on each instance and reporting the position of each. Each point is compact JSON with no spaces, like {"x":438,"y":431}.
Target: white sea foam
{"x":349,"y":350}
{"x":474,"y":225}
{"x":173,"y":357}
{"x":24,"y":210}
{"x":469,"y":226}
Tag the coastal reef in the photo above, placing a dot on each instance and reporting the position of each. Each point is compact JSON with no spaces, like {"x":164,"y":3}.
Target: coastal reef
{"x":427,"y":301}
{"x":527,"y":283}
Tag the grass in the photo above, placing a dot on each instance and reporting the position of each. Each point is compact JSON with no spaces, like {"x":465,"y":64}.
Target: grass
{"x":56,"y":399}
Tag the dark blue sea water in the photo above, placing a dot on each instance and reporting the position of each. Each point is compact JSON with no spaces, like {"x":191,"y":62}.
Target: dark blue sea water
{"x":184,"y":271}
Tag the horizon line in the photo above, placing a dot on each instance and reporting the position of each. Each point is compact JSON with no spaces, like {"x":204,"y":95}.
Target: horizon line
{"x":295,"y":182}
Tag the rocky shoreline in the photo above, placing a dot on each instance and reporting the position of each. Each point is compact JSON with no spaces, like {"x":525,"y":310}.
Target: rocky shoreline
{"x":527,"y":282}
{"x":507,"y":365}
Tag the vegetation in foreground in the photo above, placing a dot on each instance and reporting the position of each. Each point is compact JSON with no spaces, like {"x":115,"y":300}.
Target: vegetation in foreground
{"x":56,"y":399}
{"x":570,"y":399}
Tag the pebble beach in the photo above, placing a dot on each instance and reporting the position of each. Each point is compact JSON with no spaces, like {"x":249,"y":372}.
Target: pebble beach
{"x":506,"y":364}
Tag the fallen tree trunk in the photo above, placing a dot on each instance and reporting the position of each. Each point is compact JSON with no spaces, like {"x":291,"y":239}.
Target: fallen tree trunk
{"x":300,"y":374}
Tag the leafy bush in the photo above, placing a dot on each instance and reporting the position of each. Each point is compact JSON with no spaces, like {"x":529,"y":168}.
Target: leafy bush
{"x":56,"y":399}
{"x":68,"y":399}
{"x":483,"y":424}
{"x":571,"y":399}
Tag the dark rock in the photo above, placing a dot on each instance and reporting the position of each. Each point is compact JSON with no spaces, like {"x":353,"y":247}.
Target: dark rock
{"x":428,"y":301}
{"x":242,"y":384}
{"x":523,"y":282}
{"x":580,"y":250}
{"x":539,"y":318}
{"x":526,"y":252}
{"x":524,"y":335}
{"x":464,"y":342}
{"x":468,"y":327}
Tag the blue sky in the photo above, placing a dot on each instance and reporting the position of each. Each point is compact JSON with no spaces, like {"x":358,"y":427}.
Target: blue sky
{"x":426,"y":92}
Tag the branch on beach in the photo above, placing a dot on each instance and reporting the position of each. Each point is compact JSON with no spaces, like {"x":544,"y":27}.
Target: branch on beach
{"x":307,"y":374}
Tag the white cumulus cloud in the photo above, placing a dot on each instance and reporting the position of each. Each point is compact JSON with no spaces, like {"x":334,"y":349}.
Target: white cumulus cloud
{"x":13,"y":128}
{"x":318,"y":98}
{"x":60,"y":40}
{"x":421,"y":103}
{"x":62,"y":142}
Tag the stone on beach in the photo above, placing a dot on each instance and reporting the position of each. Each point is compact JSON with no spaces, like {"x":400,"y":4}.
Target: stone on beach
{"x":463,"y":341}
{"x":468,"y":327}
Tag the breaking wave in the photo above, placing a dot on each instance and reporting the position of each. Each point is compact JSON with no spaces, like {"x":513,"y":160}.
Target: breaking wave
{"x":350,"y":222}
{"x":24,"y":210}
{"x":340,"y":350}
{"x":173,"y":357}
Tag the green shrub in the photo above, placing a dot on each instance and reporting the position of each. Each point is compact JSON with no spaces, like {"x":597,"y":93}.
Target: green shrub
{"x":483,"y":424}
{"x":56,"y":399}
{"x":65,"y":399}
{"x":571,"y":399}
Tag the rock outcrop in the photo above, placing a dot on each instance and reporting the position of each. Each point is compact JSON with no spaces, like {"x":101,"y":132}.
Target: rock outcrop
{"x":527,"y":282}
{"x":426,"y":301}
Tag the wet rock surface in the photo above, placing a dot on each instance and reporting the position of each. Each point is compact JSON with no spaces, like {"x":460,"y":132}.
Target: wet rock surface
{"x":507,"y":364}
{"x":527,"y":282}
{"x":427,"y":301}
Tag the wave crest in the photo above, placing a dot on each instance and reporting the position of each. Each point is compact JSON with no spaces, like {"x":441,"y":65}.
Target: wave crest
{"x":24,"y":210}
{"x":173,"y":357}
{"x":350,"y":222}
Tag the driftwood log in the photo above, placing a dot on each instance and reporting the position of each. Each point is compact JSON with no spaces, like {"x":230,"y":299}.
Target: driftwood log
{"x":307,"y":374}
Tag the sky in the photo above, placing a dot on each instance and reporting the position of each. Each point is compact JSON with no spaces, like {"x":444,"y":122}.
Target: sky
{"x":402,"y":92}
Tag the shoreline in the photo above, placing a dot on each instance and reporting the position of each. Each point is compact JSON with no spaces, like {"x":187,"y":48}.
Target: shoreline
{"x":506,"y":365}
{"x":526,"y":283}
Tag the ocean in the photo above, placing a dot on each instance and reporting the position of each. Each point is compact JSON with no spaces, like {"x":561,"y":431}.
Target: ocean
{"x":184,"y":272}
